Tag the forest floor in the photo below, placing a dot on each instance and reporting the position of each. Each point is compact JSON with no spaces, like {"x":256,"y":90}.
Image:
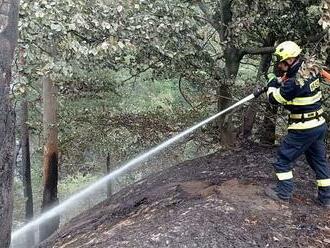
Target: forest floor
{"x":213,"y":201}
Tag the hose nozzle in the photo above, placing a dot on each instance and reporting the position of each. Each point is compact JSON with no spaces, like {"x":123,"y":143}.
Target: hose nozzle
{"x":259,"y":91}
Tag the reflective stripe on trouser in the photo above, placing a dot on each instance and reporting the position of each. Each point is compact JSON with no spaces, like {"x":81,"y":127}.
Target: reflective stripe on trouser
{"x":307,"y":124}
{"x":311,"y":143}
{"x":323,"y":183}
{"x":284,"y":175}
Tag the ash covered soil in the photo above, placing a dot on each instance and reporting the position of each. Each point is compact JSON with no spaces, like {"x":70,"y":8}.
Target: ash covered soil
{"x":213,"y":201}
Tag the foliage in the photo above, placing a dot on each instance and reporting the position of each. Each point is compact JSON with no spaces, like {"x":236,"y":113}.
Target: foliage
{"x":325,"y":19}
{"x":325,"y":23}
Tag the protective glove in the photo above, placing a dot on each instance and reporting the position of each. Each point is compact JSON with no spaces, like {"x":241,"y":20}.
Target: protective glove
{"x":273,"y":81}
{"x":270,"y":77}
{"x":259,"y":91}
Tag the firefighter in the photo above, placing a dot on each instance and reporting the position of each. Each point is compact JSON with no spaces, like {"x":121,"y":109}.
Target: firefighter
{"x":298,"y":90}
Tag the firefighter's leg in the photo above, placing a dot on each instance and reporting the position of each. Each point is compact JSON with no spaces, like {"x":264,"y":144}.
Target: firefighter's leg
{"x":316,"y":157}
{"x":291,"y":148}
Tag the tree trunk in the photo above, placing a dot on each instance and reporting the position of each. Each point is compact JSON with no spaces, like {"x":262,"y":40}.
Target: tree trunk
{"x":109,"y":183}
{"x":232,"y":62}
{"x":26,"y":165}
{"x":8,"y":40}
{"x":268,"y":127}
{"x":50,"y":161}
{"x":222,"y":18}
{"x":251,"y":112}
{"x":249,"y":115}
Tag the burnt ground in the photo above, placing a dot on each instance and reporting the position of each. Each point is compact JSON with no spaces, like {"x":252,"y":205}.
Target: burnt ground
{"x":213,"y":201}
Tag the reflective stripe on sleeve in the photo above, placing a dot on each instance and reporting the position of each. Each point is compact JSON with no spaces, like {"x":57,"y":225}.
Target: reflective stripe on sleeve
{"x":284,"y":175}
{"x":278,"y":97}
{"x":323,"y":183}
{"x":270,"y":90}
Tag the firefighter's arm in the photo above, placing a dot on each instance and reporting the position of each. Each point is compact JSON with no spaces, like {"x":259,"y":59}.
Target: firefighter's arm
{"x":273,"y":84}
{"x":284,"y":93}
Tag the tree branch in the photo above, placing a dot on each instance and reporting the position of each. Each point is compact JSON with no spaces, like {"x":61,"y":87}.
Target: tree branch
{"x":208,"y":39}
{"x":203,"y":7}
{"x":97,"y":40}
{"x":209,"y":17}
{"x":256,"y":50}
{"x":138,"y":73}
{"x":182,"y":93}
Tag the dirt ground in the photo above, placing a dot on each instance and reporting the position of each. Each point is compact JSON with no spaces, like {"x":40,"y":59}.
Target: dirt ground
{"x":214,"y":201}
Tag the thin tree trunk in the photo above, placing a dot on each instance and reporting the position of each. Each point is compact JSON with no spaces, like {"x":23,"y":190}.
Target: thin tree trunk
{"x":26,"y":165}
{"x":232,"y":63}
{"x":109,"y":183}
{"x":251,"y":112}
{"x":268,"y":127}
{"x":50,"y":161}
{"x":8,"y":40}
{"x":267,"y":131}
{"x":232,"y":56}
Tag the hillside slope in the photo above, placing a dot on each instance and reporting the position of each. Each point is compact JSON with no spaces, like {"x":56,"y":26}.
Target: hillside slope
{"x":214,"y":201}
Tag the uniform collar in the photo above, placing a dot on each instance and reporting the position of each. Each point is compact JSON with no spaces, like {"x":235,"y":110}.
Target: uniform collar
{"x":294,"y":68}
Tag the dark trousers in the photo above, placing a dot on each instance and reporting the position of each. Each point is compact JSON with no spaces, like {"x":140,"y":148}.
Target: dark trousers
{"x":310,"y":142}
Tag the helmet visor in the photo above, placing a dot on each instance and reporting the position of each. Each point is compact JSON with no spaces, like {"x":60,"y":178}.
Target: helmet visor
{"x":277,"y":58}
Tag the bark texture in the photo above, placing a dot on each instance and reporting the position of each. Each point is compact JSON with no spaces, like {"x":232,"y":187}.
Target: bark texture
{"x":50,"y":161}
{"x":8,"y":40}
{"x":266,"y":129}
{"x":26,"y":166}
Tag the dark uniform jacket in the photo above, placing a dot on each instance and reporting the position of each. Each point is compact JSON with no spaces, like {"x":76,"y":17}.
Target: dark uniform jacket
{"x":301,"y":96}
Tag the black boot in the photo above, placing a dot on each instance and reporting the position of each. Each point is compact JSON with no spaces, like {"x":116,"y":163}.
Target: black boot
{"x":324,"y":204}
{"x":271,"y":192}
